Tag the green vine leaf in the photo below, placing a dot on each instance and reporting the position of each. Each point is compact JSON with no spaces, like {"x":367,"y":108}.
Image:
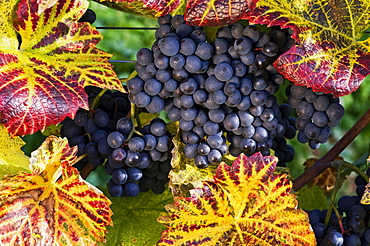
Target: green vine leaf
{"x":134,"y":218}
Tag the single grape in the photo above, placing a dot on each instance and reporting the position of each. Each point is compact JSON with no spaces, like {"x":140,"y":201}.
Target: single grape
{"x":119,"y":176}
{"x":131,"y":189}
{"x":187,"y":47}
{"x":115,"y":139}
{"x":169,"y":46}
{"x":242,"y":45}
{"x":214,"y":157}
{"x":223,"y":71}
{"x":144,"y":56}
{"x":134,"y":174}
{"x":204,"y":50}
{"x":335,"y":112}
{"x":201,"y":161}
{"x":231,"y":122}
{"x":115,"y":190}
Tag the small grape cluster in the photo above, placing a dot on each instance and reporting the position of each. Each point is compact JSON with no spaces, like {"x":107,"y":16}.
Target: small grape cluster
{"x":137,"y":159}
{"x":352,"y":228}
{"x":218,"y":91}
{"x":146,"y":157}
{"x":317,"y":113}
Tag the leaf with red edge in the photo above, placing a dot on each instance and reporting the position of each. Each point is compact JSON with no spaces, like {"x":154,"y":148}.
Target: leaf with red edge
{"x":246,"y":204}
{"x":53,"y":205}
{"x":43,"y":80}
{"x":147,"y":8}
{"x":216,"y":12}
{"x":329,"y":56}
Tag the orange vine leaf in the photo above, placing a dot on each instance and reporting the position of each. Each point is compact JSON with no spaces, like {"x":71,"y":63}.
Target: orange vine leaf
{"x":53,"y":205}
{"x":246,"y":204}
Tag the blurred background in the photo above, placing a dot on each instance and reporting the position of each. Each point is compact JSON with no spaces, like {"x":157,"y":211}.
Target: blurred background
{"x":123,"y":45}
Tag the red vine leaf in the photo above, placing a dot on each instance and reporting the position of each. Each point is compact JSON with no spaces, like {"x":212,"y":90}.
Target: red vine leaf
{"x":53,"y":205}
{"x":43,"y":80}
{"x":329,"y":56}
{"x":246,"y":204}
{"x":215,"y":12}
{"x":145,"y":8}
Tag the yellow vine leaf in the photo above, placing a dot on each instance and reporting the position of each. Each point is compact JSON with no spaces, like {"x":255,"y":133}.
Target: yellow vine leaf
{"x":12,"y":158}
{"x":246,"y":204}
{"x":53,"y":205}
{"x":184,"y":176}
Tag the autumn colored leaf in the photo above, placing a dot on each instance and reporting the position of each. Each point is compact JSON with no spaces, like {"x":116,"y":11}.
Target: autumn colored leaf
{"x":328,"y":56}
{"x":146,"y":8}
{"x":43,"y":76}
{"x":327,"y":179}
{"x":12,"y":158}
{"x":246,"y":204}
{"x":45,"y":4}
{"x":366,"y":196}
{"x":216,"y":12}
{"x":53,"y":205}
{"x":184,"y":175}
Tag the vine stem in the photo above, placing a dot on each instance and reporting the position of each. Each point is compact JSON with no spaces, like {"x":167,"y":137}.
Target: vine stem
{"x":324,"y":162}
{"x":87,"y":170}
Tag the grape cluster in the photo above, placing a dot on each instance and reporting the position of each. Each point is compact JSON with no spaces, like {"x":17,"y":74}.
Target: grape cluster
{"x":218,"y":91}
{"x":137,"y":159}
{"x":317,"y":113}
{"x":352,"y":228}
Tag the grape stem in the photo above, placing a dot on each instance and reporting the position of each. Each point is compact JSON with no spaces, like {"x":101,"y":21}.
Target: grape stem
{"x":352,"y":167}
{"x":325,"y":162}
{"x":87,"y":170}
{"x":333,"y":195}
{"x":79,"y":158}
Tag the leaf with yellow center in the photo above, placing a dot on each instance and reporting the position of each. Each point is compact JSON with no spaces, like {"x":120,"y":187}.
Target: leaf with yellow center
{"x":53,"y":205}
{"x":246,"y":204}
{"x":12,"y":158}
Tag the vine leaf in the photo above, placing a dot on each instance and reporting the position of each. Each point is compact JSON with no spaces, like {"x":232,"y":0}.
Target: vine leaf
{"x":45,"y":4}
{"x":366,"y":196}
{"x":246,"y":204}
{"x":10,"y":151}
{"x":184,"y":176}
{"x":134,"y":218}
{"x":43,"y":77}
{"x":325,"y":180}
{"x":216,"y":12}
{"x":151,"y":9}
{"x":53,"y":205}
{"x":329,"y":56}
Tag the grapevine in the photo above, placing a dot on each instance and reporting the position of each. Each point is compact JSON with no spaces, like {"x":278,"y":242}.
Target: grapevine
{"x":203,"y":133}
